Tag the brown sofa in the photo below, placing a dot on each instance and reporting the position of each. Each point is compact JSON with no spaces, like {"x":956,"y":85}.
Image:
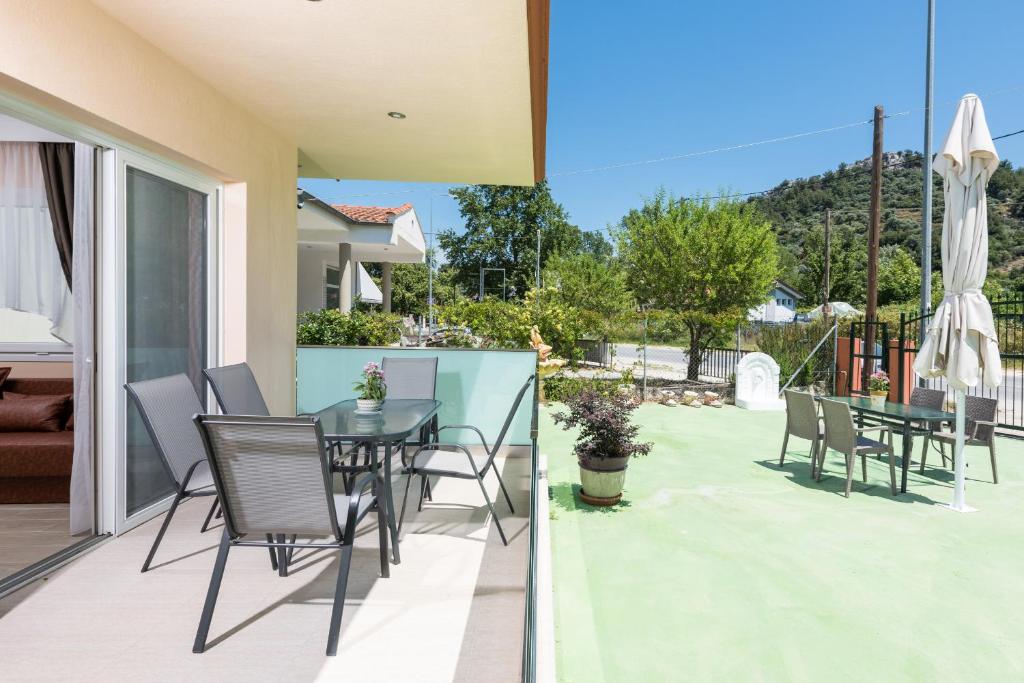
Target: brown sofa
{"x":35,"y":466}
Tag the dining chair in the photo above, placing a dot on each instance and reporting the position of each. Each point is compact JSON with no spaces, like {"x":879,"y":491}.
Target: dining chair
{"x":166,"y":406}
{"x":273,"y":476}
{"x":842,"y":436}
{"x":413,"y":378}
{"x":979,"y":430}
{"x":236,"y":390}
{"x":935,"y":399}
{"x":802,"y":421}
{"x":458,"y":461}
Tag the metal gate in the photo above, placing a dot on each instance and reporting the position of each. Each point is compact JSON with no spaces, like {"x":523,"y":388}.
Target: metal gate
{"x":872,"y":356}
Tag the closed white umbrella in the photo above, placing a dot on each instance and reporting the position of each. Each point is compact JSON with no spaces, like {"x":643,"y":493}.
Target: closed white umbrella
{"x":961,"y":343}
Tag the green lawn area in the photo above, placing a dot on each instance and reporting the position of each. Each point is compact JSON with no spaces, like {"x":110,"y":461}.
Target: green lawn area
{"x":719,"y":566}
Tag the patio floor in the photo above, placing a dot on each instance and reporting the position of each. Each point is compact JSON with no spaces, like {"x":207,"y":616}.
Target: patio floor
{"x":453,"y":610}
{"x":720,"y":566}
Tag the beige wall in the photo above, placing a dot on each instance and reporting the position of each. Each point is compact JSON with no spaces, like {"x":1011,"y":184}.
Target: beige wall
{"x":76,"y":61}
{"x":37,"y":368}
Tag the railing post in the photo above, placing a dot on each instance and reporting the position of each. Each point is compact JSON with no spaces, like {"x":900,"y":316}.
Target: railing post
{"x":900,"y":361}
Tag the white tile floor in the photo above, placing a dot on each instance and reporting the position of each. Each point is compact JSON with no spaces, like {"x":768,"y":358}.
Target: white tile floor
{"x":452,"y":610}
{"x":30,"y":533}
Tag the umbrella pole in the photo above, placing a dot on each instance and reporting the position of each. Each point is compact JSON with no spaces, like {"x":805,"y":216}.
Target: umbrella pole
{"x":960,"y":467}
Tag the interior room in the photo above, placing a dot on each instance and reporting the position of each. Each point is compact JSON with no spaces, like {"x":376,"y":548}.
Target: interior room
{"x":46,"y":486}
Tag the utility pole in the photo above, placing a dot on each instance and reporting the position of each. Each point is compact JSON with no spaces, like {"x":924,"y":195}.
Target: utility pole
{"x":826,"y":309}
{"x":926,"y":214}
{"x":874,"y":229}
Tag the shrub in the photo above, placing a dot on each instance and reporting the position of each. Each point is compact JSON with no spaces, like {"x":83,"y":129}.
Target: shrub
{"x":789,"y":346}
{"x":562,"y":388}
{"x":330,"y":327}
{"x":605,"y":427}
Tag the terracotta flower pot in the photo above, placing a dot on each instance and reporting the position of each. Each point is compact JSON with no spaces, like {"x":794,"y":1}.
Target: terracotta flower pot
{"x":602,"y":480}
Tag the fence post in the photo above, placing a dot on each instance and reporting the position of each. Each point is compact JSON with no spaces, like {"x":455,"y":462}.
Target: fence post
{"x":900,"y":361}
{"x":644,"y":395}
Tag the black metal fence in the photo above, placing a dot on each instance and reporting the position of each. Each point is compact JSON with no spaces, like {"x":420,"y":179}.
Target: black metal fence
{"x":1008,"y":316}
{"x":720,"y":363}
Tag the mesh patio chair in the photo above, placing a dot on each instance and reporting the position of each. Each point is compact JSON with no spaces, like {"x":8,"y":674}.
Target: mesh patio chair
{"x":936,"y":400}
{"x":455,"y":460}
{"x":842,"y":436}
{"x":167,"y":405}
{"x":802,"y":421}
{"x":979,"y":430}
{"x":236,"y":390}
{"x":273,"y":476}
{"x":413,"y":378}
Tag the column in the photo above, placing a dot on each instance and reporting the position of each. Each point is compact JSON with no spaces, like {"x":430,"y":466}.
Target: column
{"x":346,"y":271}
{"x":385,"y":286}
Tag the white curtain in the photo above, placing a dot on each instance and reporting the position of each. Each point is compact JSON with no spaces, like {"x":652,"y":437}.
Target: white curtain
{"x":82,"y":487}
{"x":31,"y":278}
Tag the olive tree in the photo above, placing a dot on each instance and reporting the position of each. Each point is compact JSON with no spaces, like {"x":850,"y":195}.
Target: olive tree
{"x":708,"y":261}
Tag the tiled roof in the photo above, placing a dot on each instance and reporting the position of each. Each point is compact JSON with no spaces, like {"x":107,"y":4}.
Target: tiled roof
{"x":372,"y":214}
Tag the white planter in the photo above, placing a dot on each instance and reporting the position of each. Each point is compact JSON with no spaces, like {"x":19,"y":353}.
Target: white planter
{"x":368,"y":405}
{"x":878,"y":399}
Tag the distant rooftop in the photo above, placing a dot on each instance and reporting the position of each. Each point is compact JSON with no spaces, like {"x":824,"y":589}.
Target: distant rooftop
{"x":372,"y":214}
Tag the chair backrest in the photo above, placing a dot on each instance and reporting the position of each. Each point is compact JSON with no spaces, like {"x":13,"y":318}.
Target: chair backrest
{"x":272,"y":474}
{"x":410,"y":377}
{"x":167,"y":406}
{"x":839,"y":433}
{"x":929,"y":398}
{"x":801,"y":414}
{"x":508,"y":420}
{"x":980,"y":408}
{"x":236,"y":390}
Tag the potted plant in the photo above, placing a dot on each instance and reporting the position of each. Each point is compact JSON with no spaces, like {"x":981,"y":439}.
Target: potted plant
{"x":372,"y":389}
{"x":605,"y":444}
{"x":878,"y":385}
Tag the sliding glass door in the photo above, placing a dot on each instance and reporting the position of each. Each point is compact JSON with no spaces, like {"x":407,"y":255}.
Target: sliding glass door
{"x":165,"y":291}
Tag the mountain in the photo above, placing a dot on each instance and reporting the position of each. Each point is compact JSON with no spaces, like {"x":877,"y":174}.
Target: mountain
{"x":797,"y":211}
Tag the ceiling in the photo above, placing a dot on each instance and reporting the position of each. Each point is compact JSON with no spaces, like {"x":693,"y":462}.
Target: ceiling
{"x":326,"y":74}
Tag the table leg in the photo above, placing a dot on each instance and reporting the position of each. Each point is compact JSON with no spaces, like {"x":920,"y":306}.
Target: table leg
{"x":389,"y":501}
{"x":906,"y":456}
{"x":282,"y":557}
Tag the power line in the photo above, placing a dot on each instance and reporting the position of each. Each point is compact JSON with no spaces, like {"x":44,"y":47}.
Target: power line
{"x":1009,"y":135}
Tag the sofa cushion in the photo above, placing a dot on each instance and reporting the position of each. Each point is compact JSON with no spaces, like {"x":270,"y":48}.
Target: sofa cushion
{"x":4,"y":372}
{"x":33,"y":413}
{"x":51,"y":386}
{"x":36,"y":454}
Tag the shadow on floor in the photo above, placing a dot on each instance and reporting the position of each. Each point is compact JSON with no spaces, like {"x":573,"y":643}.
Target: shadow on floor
{"x":566,"y":496}
{"x":833,"y":480}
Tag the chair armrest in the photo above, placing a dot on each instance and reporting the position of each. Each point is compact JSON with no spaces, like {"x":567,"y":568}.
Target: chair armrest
{"x":471,"y":427}
{"x":982,"y":423}
{"x":872,"y":428}
{"x":352,"y":516}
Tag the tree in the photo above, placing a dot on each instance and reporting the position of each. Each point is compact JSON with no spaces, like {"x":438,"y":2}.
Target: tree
{"x":899,"y":276}
{"x":588,"y":281}
{"x":501,"y":224}
{"x":848,"y":266}
{"x":410,"y":285}
{"x":709,"y":262}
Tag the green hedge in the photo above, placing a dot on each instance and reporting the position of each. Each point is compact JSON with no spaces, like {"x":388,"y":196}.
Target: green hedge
{"x":330,"y":327}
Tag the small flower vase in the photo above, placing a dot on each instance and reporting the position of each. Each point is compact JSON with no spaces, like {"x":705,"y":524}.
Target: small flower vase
{"x":368,"y":405}
{"x":878,"y":399}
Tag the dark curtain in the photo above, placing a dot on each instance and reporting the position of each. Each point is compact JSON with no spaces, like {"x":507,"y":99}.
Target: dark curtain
{"x":59,"y":177}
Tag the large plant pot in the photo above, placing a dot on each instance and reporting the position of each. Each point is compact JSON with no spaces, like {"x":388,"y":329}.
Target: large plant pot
{"x":602,"y":480}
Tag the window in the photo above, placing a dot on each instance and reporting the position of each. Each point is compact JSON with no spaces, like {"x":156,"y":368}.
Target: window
{"x":332,"y":292}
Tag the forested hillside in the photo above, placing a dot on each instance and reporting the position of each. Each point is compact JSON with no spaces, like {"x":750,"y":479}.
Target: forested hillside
{"x":797,"y":211}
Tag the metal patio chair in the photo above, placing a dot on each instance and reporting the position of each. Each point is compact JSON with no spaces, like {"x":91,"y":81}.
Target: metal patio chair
{"x":802,"y":421}
{"x":236,"y":390}
{"x":979,"y":430}
{"x":413,"y":378}
{"x":455,"y":460}
{"x":273,"y":475}
{"x":936,"y":400}
{"x":167,"y":405}
{"x":842,"y":436}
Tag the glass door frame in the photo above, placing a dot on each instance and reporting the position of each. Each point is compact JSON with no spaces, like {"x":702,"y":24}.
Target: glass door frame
{"x":112,"y":321}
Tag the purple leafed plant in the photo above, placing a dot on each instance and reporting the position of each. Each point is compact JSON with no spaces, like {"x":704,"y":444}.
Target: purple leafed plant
{"x":605,"y":427}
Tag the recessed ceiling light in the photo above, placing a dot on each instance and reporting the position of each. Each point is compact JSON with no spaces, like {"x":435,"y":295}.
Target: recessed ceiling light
{"x":396,"y":114}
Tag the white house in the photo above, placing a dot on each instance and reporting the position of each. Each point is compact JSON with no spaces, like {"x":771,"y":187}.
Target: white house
{"x":779,"y":308}
{"x":351,"y":235}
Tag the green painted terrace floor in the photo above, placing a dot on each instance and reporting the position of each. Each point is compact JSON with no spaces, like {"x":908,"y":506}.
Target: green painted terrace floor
{"x":720,"y":566}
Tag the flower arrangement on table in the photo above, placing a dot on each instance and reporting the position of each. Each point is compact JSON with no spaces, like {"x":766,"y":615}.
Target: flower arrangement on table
{"x":878,"y":385}
{"x":372,"y":388}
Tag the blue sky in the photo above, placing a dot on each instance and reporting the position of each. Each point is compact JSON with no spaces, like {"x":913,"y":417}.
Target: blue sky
{"x":656,"y":78}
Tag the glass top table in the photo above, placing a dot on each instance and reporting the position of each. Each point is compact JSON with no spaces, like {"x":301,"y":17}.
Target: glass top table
{"x":903,"y":413}
{"x":396,"y":421}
